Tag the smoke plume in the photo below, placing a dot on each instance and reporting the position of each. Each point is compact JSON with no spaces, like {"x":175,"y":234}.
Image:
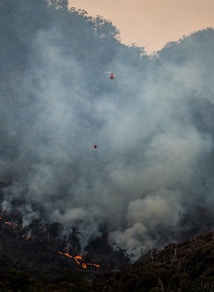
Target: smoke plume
{"x":153,"y":126}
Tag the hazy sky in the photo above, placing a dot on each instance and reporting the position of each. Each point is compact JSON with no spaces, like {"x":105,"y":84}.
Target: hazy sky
{"x":152,"y":23}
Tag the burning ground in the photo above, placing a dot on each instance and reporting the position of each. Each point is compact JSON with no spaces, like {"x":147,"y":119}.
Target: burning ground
{"x":33,"y":263}
{"x":34,"y":257}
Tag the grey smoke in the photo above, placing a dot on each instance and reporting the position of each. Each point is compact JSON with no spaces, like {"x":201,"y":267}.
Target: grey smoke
{"x":153,"y":160}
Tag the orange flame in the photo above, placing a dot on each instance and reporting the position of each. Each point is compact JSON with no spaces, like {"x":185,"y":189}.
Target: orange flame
{"x":78,"y":259}
{"x":94,"y":265}
{"x":14,"y":225}
{"x":7,"y":223}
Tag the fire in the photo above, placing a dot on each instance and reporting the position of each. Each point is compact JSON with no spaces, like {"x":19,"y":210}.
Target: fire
{"x":84,"y":265}
{"x":14,"y":225}
{"x":78,"y":260}
{"x":8,"y":223}
{"x":66,"y":254}
{"x":94,"y":265}
{"x":26,"y":237}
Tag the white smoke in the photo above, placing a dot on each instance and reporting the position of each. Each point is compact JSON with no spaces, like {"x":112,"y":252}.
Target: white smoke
{"x":146,"y":170}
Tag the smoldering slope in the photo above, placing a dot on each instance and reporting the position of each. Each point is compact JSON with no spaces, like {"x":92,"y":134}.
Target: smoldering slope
{"x":151,"y":164}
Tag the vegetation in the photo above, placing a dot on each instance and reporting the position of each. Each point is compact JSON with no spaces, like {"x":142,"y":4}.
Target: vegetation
{"x":34,"y":264}
{"x":70,"y":221}
{"x":185,"y":266}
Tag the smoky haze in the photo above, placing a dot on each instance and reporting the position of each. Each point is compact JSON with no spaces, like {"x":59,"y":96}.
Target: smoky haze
{"x":153,"y":125}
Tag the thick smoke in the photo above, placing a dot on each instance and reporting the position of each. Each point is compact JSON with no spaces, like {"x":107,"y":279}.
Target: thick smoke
{"x":153,"y":127}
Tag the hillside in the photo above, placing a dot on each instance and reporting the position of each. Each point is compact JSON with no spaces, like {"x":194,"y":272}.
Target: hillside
{"x":96,"y":172}
{"x":35,"y":258}
{"x":44,"y":263}
{"x":180,"y":267}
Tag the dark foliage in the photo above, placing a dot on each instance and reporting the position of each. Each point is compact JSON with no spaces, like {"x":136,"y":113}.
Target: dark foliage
{"x":179,"y":267}
{"x":32,"y":257}
{"x":34,"y":264}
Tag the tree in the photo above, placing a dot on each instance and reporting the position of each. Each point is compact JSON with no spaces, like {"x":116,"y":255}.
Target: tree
{"x":59,"y":4}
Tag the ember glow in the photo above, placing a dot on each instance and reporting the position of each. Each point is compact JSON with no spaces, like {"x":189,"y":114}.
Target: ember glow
{"x":78,"y":260}
{"x":26,"y":237}
{"x":14,"y":225}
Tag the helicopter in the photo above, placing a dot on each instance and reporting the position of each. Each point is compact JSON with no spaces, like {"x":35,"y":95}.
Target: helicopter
{"x":111,"y":74}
